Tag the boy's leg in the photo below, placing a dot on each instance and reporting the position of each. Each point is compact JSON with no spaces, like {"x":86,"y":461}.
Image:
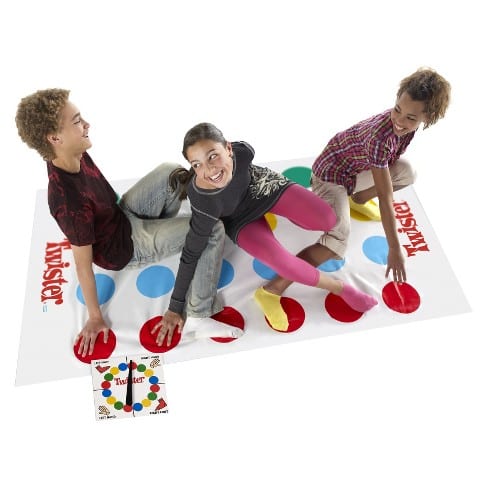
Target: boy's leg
{"x":155,"y":239}
{"x":201,"y":299}
{"x":402,"y":174}
{"x":152,"y":197}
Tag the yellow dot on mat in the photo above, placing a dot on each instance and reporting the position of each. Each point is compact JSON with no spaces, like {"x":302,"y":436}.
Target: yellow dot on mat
{"x":272,"y":220}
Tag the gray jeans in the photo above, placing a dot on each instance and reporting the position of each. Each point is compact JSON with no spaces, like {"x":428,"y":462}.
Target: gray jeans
{"x":158,"y":232}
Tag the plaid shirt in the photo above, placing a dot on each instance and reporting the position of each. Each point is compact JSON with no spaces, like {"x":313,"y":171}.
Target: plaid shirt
{"x":370,"y":143}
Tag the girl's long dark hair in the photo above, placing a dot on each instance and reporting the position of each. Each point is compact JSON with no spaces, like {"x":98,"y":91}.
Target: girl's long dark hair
{"x":181,"y":177}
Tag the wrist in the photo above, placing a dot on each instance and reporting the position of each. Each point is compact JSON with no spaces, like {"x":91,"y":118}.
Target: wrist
{"x":95,"y":314}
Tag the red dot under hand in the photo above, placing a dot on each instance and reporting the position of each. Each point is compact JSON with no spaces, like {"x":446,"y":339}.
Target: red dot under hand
{"x":401,"y":297}
{"x":101,"y":350}
{"x":148,"y":340}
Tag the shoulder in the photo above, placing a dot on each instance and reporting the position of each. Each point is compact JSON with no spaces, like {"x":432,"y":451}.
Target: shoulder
{"x":378,"y":121}
{"x":381,"y":127}
{"x":242,"y":148}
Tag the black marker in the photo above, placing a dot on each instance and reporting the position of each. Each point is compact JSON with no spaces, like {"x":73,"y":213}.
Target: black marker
{"x":128,"y":397}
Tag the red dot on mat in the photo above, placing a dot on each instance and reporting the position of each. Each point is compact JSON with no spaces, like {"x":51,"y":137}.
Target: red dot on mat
{"x":339,"y":310}
{"x":401,"y":297}
{"x":101,"y":351}
{"x":229,"y":316}
{"x":148,"y":340}
{"x":127,"y":408}
{"x":294,"y":312}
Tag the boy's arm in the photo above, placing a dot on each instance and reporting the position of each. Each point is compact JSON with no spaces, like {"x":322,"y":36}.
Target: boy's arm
{"x":384,"y":190}
{"x":95,"y":324}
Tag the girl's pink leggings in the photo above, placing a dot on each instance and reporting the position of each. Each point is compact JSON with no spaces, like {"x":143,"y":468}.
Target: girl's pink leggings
{"x":303,"y":208}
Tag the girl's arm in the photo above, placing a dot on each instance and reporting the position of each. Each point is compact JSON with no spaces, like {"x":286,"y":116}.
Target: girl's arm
{"x":201,"y":226}
{"x":384,"y":190}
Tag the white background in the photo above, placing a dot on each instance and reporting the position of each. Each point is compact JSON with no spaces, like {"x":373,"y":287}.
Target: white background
{"x":401,"y":406}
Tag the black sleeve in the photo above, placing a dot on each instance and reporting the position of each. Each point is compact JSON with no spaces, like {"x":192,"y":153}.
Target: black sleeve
{"x":243,"y":150}
{"x":201,"y":226}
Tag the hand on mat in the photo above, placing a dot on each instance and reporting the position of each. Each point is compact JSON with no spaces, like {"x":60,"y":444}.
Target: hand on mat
{"x":396,"y":264}
{"x":89,"y":334}
{"x":169,"y":322}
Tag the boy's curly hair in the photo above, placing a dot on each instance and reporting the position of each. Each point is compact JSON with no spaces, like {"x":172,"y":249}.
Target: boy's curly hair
{"x":38,"y":115}
{"x":426,"y":85}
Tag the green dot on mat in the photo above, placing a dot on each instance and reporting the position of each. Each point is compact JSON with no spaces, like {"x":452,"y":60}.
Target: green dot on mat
{"x":299,"y":174}
{"x":141,"y":367}
{"x":152,"y":396}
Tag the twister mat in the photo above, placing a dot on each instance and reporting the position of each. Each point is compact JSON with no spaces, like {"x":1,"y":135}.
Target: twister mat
{"x":132,"y":301}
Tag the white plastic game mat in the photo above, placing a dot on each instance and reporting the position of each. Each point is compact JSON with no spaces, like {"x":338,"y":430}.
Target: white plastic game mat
{"x":132,"y":301}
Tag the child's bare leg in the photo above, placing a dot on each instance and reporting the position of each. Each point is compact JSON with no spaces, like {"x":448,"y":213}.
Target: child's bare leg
{"x":363,"y":196}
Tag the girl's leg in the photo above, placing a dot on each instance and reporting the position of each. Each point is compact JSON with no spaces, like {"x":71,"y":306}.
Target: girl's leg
{"x":305,"y":209}
{"x":259,"y":241}
{"x":332,"y":243}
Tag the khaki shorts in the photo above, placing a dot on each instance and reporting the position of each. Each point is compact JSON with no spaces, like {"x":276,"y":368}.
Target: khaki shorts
{"x":402,"y":174}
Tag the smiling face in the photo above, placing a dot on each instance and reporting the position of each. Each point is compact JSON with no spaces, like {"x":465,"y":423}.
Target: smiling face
{"x":407,"y":115}
{"x":72,"y":136}
{"x":212,"y":162}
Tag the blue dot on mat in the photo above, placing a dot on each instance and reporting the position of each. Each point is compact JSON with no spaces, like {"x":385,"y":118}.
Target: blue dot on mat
{"x":106,"y":393}
{"x":262,"y":270}
{"x":332,"y":265}
{"x":375,"y":248}
{"x":155,"y":281}
{"x":226,"y":274}
{"x":122,"y":366}
{"x":153,"y":380}
{"x":137,"y":407}
{"x":105,"y":289}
